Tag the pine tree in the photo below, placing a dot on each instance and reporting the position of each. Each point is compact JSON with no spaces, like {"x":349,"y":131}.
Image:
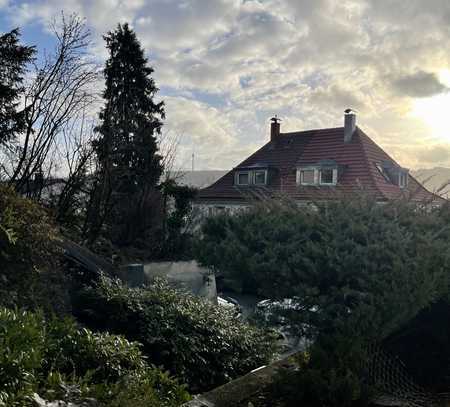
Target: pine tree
{"x":127,"y":150}
{"x":13,"y":60}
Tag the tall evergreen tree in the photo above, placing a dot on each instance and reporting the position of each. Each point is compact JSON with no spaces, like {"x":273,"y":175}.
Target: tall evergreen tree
{"x":129,"y":163}
{"x":13,"y":60}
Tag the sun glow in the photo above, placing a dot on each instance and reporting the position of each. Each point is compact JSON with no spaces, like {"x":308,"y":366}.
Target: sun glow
{"x":434,"y":111}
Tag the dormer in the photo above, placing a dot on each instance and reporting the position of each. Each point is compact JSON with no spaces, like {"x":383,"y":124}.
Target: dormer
{"x":325,"y":172}
{"x":256,"y":174}
{"x":393,"y":173}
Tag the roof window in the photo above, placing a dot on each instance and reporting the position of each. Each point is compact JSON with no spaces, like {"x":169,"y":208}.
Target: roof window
{"x":403,"y":179}
{"x":317,"y":175}
{"x":251,"y":177}
{"x":393,"y":174}
{"x":243,"y":178}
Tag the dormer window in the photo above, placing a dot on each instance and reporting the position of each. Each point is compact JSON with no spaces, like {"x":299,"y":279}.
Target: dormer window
{"x":243,"y":178}
{"x":251,"y":177}
{"x":307,"y":176}
{"x":260,"y":177}
{"x":383,"y":172}
{"x":393,"y":173}
{"x":402,"y":179}
{"x":326,"y":176}
{"x":317,"y":175}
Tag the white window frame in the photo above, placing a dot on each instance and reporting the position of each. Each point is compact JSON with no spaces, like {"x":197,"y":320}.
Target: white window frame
{"x":317,"y":176}
{"x":254,"y":177}
{"x":248,"y":173}
{"x":300,"y":176}
{"x":402,"y":174}
{"x":383,"y":173}
{"x":333,"y":179}
{"x":251,"y":177}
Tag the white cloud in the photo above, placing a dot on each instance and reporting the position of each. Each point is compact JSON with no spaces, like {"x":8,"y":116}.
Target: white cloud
{"x":231,"y":64}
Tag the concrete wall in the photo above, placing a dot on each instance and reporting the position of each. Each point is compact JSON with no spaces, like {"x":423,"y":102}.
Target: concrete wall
{"x":210,"y":209}
{"x":184,"y":275}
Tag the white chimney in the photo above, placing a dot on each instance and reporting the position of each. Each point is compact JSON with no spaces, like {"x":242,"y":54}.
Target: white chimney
{"x":349,"y":125}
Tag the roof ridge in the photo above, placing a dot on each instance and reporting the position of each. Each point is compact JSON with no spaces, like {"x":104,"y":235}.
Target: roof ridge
{"x":292,"y":133}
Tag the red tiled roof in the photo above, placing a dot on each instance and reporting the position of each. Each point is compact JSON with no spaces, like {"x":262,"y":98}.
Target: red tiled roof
{"x":357,"y":158}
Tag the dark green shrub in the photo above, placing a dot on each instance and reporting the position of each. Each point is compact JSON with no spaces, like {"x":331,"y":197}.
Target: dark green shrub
{"x":41,"y":355}
{"x":200,"y":343}
{"x":320,"y":380}
{"x":74,"y":351}
{"x":31,"y":273}
{"x":367,"y":268}
{"x":357,"y":270}
{"x":22,"y":345}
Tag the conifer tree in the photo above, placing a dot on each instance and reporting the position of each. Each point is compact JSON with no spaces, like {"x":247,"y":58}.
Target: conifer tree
{"x":13,"y":60}
{"x":127,"y":150}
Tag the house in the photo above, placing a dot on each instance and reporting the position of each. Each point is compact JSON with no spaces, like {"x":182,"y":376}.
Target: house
{"x":313,"y":165}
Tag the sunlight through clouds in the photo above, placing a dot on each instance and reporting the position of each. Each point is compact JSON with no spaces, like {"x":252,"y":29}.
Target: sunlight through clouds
{"x":435,"y":113}
{"x":305,"y":60}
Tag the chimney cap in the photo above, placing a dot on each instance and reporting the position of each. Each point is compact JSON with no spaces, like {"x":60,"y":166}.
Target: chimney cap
{"x":349,"y":111}
{"x":275,"y":119}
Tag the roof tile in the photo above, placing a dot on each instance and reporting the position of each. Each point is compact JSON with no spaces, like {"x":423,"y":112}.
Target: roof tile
{"x":358,"y":159}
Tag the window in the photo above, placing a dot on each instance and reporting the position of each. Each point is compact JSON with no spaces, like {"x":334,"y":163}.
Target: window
{"x":243,"y":178}
{"x":393,"y":174}
{"x":403,"y":179}
{"x":383,"y":172}
{"x":255,"y":177}
{"x":259,"y":178}
{"x":327,"y":176}
{"x":307,"y":176}
{"x":317,"y":176}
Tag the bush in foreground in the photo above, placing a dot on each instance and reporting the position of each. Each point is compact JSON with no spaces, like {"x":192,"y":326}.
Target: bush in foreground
{"x":31,"y":273}
{"x":49,"y":357}
{"x":202,"y":344}
{"x":356,"y":272}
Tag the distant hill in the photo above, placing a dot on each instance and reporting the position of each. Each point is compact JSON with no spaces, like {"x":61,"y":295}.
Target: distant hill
{"x":198,"y":179}
{"x":434,"y":178}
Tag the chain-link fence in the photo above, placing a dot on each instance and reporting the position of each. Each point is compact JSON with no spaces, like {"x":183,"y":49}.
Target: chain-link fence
{"x":394,"y":385}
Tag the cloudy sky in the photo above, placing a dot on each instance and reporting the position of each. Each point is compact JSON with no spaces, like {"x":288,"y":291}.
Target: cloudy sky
{"x":225,"y":67}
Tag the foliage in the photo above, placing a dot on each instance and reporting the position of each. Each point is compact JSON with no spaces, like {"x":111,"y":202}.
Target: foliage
{"x":126,"y":150}
{"x":45,"y":355}
{"x":322,"y":379}
{"x":352,"y":265}
{"x":355,"y":269}
{"x":13,"y":60}
{"x":177,"y":236}
{"x":30,"y":274}
{"x":201,"y":343}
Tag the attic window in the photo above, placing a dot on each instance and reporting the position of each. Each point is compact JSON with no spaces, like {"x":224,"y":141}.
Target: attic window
{"x":319,"y":175}
{"x":307,"y":176}
{"x":254,"y":177}
{"x":402,"y":179}
{"x":383,"y":172}
{"x":242,"y":178}
{"x":259,"y":177}
{"x":393,"y":174}
{"x":326,"y":176}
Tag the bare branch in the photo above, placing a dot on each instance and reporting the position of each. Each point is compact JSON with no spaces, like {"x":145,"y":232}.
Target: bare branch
{"x":61,"y":89}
